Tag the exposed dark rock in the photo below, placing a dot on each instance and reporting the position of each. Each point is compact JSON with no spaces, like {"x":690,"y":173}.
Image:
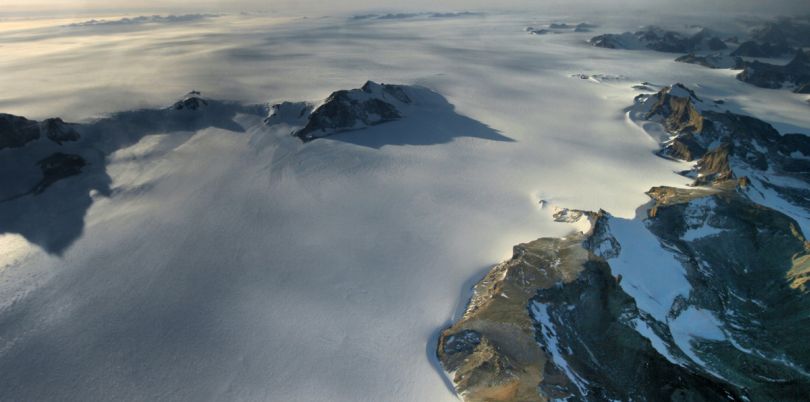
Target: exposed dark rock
{"x":36,"y":200}
{"x":289,"y":113}
{"x":707,"y":40}
{"x":539,"y":31}
{"x":750,"y":259}
{"x":584,"y":27}
{"x":657,"y":39}
{"x":352,"y":109}
{"x":192,"y":101}
{"x":593,"y":339}
{"x":722,"y":139}
{"x":712,"y":61}
{"x":507,"y":363}
{"x":587,"y":321}
{"x":756,"y":49}
{"x":714,"y":166}
{"x":57,"y":167}
{"x":16,"y":131}
{"x":676,"y":105}
{"x":58,"y":131}
{"x":561,"y":27}
{"x":765,"y":75}
{"x":793,"y":31}
{"x":684,"y":147}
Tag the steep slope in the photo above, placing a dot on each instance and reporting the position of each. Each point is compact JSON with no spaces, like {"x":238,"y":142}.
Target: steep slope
{"x":701,"y":297}
{"x":795,"y":74}
{"x":38,"y":155}
{"x":661,"y":40}
{"x":346,"y":110}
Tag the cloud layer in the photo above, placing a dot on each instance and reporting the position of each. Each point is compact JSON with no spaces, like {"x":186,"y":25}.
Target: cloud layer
{"x":320,"y":8}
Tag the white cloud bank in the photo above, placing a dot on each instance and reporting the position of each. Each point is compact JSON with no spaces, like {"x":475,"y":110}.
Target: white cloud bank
{"x":312,"y":7}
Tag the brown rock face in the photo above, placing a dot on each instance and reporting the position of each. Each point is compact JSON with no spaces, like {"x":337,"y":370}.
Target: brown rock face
{"x":492,"y":352}
{"x":680,"y":114}
{"x":556,"y":322}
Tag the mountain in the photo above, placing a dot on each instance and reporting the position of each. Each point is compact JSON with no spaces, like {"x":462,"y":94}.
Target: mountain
{"x":702,"y":296}
{"x":72,"y":158}
{"x":17,"y":131}
{"x":785,"y":31}
{"x":661,"y":40}
{"x":346,"y":110}
{"x":561,"y":27}
{"x":765,"y":75}
{"x":716,"y":60}
{"x":758,"y":49}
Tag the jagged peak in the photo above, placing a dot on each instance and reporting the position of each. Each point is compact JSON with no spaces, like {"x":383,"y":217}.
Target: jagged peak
{"x":193,"y":100}
{"x":343,"y":110}
{"x":679,"y":90}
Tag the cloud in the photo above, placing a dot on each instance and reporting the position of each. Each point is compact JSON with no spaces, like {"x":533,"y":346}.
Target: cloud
{"x":300,"y":7}
{"x":400,"y":16}
{"x":145,"y":19}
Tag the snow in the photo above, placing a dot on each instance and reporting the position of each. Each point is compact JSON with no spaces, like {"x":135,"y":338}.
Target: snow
{"x":650,"y":273}
{"x":679,"y":91}
{"x":696,"y":216}
{"x":761,"y":194}
{"x":694,"y":325}
{"x":550,"y":341}
{"x":657,"y":343}
{"x":700,"y":232}
{"x":239,"y":263}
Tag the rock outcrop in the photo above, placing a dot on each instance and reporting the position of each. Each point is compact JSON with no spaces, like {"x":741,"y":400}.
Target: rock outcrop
{"x":782,"y":37}
{"x":354,"y":109}
{"x":757,"y":49}
{"x":788,"y":31}
{"x":561,"y":27}
{"x":192,"y":101}
{"x":661,"y":40}
{"x":717,"y":60}
{"x":796,"y":73}
{"x":17,"y":131}
{"x":57,"y":167}
{"x":701,"y":297}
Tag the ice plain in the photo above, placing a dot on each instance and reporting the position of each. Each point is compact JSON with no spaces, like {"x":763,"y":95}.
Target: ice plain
{"x":242,"y":264}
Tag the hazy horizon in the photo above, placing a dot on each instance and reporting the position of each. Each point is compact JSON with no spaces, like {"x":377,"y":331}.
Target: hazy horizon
{"x":42,"y":8}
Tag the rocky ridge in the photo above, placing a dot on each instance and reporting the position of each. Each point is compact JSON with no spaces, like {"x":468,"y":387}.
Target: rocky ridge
{"x":17,"y":131}
{"x":354,"y":109}
{"x":795,"y":74}
{"x":753,"y":48}
{"x":773,"y":39}
{"x":37,"y":158}
{"x":701,"y":297}
{"x":715,"y":60}
{"x":561,"y":27}
{"x":661,"y":40}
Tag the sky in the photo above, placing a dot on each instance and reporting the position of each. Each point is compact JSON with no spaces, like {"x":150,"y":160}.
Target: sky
{"x":45,"y":7}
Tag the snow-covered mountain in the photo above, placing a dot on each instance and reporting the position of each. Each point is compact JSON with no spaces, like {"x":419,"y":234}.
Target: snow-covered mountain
{"x":674,"y":303}
{"x":661,"y":40}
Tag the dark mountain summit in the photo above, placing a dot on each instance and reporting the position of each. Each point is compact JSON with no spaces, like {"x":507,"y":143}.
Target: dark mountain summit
{"x":661,"y":40}
{"x":796,"y":73}
{"x":352,"y":109}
